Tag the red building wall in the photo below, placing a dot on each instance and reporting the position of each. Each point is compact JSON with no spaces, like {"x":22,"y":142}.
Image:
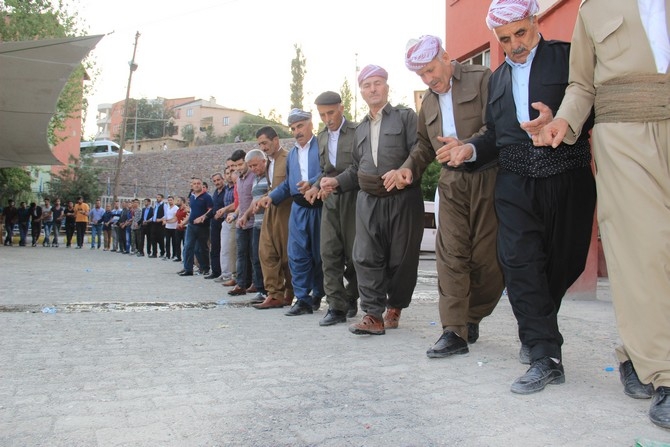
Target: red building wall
{"x":467,"y":35}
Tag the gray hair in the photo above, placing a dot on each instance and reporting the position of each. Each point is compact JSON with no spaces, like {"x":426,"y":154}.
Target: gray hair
{"x":254,"y":153}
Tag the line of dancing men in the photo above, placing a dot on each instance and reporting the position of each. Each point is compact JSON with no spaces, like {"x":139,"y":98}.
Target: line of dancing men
{"x":341,"y":213}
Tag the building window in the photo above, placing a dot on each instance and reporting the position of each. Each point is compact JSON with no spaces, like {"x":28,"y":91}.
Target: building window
{"x":483,"y":58}
{"x":226,"y":121}
{"x":189,"y":112}
{"x":177,"y":113}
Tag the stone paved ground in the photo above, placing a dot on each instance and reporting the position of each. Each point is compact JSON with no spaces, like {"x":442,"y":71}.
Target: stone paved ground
{"x":137,"y":356}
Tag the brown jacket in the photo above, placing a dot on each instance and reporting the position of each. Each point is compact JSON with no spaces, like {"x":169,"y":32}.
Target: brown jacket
{"x":469,"y":93}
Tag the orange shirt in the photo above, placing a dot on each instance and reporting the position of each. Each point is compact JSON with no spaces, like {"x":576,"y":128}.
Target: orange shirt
{"x":81,"y":212}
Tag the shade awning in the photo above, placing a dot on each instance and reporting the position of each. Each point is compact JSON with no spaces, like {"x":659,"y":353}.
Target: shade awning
{"x":32,"y":76}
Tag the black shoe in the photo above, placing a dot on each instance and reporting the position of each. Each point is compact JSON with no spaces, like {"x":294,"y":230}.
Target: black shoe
{"x":212,"y":276}
{"x":176,"y":260}
{"x":473,"y":332}
{"x":632,"y":386}
{"x":541,"y":373}
{"x":152,"y":256}
{"x":140,"y":255}
{"x":353,"y":308}
{"x":316,"y":304}
{"x":447,"y":345}
{"x":659,"y":412}
{"x":524,"y":354}
{"x":333,"y":317}
{"x":299,"y":308}
{"x":185,"y":273}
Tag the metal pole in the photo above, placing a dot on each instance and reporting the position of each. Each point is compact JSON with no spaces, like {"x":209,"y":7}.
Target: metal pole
{"x":117,"y":174}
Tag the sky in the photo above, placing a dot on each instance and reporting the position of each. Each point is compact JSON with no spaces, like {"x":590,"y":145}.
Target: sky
{"x":240,"y":51}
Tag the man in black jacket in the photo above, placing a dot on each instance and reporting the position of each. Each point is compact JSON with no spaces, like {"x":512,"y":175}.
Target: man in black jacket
{"x":545,"y":197}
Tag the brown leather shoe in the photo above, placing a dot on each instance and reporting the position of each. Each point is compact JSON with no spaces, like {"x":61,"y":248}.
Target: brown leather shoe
{"x":237,"y":290}
{"x":369,"y":325}
{"x":288,"y":297}
{"x":270,"y":303}
{"x":392,"y":318}
{"x":229,"y":283}
{"x":252,"y":289}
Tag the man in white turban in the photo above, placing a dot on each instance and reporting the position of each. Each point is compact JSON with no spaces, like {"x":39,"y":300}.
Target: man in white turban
{"x":544,"y":197}
{"x":470,"y":282}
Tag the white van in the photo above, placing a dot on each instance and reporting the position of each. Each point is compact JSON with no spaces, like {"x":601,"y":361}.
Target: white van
{"x":100,"y":148}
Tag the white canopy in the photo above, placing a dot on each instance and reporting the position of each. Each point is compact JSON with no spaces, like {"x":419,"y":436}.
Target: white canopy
{"x":32,"y":75}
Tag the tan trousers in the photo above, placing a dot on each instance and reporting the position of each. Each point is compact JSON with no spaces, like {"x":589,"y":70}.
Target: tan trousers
{"x":273,"y":252}
{"x":470,"y":282}
{"x":633,"y":182}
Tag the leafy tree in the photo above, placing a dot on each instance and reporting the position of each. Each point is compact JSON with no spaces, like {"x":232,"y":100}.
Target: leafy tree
{"x":248,"y":125}
{"x":188,"y":133}
{"x":78,"y":179}
{"x":14,"y":182}
{"x":429,"y":180}
{"x":298,"y":76}
{"x":347,"y":98}
{"x":44,"y":19}
{"x":150,"y":116}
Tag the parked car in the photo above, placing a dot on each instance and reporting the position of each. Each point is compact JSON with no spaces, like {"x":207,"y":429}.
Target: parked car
{"x":100,"y":148}
{"x":429,"y":226}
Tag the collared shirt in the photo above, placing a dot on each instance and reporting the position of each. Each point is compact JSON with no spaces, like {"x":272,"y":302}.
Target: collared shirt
{"x":520,"y":80}
{"x":156,"y":208}
{"x":375,"y":128}
{"x":96,"y":215}
{"x":447,"y":108}
{"x":303,"y":160}
{"x":333,"y":138}
{"x":652,"y":13}
{"x":244,"y":185}
{"x":271,"y":171}
{"x":145,"y":214}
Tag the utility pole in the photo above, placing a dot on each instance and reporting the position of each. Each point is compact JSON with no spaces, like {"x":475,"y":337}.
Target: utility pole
{"x":356,"y":92}
{"x":133,"y":67}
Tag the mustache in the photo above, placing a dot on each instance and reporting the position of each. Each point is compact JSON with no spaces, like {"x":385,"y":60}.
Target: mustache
{"x":519,"y":50}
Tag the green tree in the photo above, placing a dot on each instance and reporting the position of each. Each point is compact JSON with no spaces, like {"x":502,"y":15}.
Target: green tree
{"x":188,"y":133}
{"x":149,"y":117}
{"x":44,"y":19}
{"x":298,"y":72}
{"x":248,"y":125}
{"x":14,"y":182}
{"x":429,"y":180}
{"x":78,"y":179}
{"x":347,"y":98}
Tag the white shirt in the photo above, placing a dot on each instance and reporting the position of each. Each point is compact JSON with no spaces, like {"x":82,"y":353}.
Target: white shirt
{"x":447,"y":109}
{"x":520,"y":81}
{"x":333,"y":139}
{"x":170,"y":213}
{"x":652,"y":13}
{"x":303,"y":159}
